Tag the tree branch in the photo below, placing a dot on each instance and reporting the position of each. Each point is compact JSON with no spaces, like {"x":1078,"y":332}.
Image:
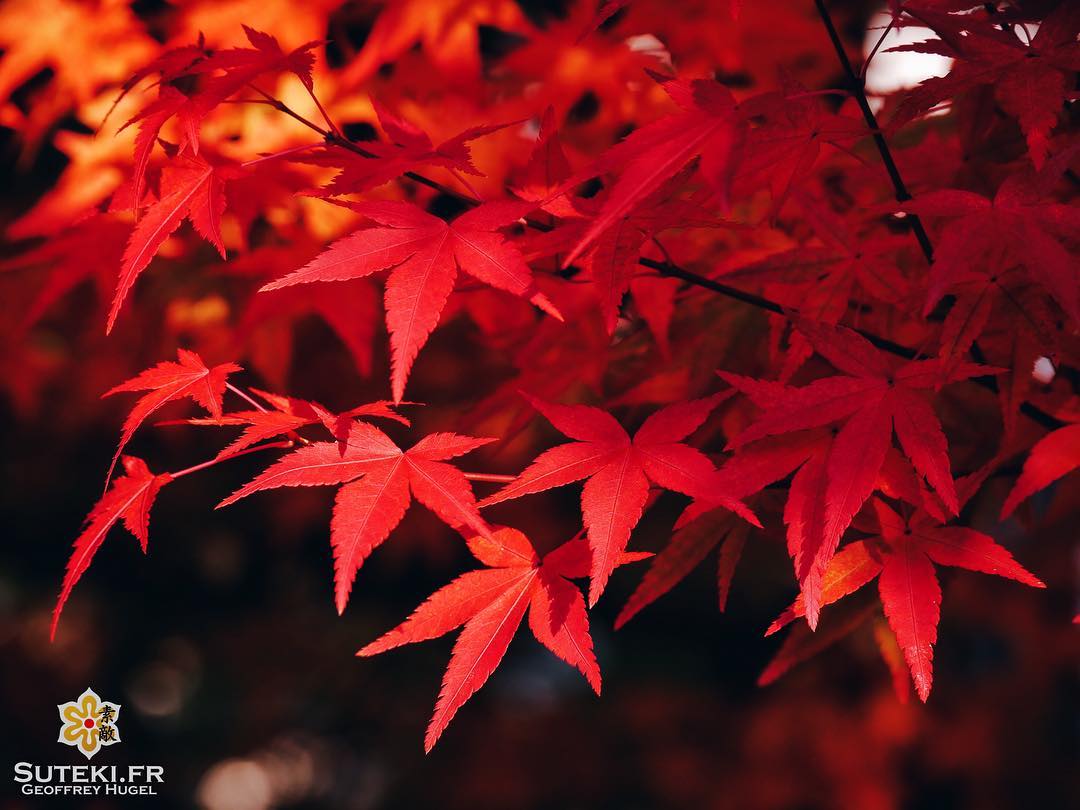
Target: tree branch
{"x":858,"y":92}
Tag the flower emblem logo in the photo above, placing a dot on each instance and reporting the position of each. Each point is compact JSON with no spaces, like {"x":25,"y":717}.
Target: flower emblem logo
{"x":89,"y":723}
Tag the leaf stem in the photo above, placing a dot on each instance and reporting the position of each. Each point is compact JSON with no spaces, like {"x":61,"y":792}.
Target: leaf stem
{"x":322,"y":110}
{"x":275,"y":155}
{"x":490,"y":477}
{"x":240,"y":392}
{"x":216,"y":460}
{"x":254,"y":403}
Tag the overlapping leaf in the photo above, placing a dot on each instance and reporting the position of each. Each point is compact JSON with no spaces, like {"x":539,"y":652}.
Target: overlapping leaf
{"x":167,"y":382}
{"x":191,"y":189}
{"x":1030,"y":79}
{"x":708,"y":127}
{"x":619,"y":470}
{"x":876,"y":397}
{"x":902,"y":557}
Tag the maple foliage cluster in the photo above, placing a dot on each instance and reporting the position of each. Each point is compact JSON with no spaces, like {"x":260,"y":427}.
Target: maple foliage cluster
{"x":801,"y":312}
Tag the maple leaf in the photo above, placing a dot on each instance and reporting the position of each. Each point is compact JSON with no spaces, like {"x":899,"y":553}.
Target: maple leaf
{"x":378,"y":478}
{"x":424,"y":254}
{"x":708,"y":127}
{"x":553,"y":359}
{"x":191,"y":189}
{"x":619,"y":470}
{"x":827,"y":453}
{"x":491,"y":603}
{"x":876,"y":396}
{"x":783,"y":149}
{"x":820,"y":280}
{"x":150,"y":120}
{"x":170,"y":65}
{"x":696,"y":535}
{"x":238,"y":68}
{"x":290,"y":414}
{"x":610,"y":263}
{"x":902,"y":557}
{"x":802,"y":643}
{"x":167,"y":382}
{"x":350,"y":308}
{"x":409,"y":147}
{"x":806,"y":454}
{"x":224,"y":73}
{"x":1056,"y":454}
{"x":89,"y":250}
{"x":1030,"y":80}
{"x":128,"y":501}
{"x":540,"y":178}
{"x":1018,"y":226}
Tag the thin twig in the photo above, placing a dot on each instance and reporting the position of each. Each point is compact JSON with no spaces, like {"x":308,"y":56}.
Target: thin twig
{"x":858,"y":91}
{"x":276,"y":155}
{"x":254,"y":403}
{"x":292,"y":434}
{"x":493,"y":478}
{"x":218,"y":459}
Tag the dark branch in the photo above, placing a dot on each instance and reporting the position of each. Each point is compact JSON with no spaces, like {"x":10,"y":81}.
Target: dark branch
{"x":858,"y":91}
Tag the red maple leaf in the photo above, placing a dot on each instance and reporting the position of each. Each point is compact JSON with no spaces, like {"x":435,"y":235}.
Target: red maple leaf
{"x":708,"y":127}
{"x":697,"y":534}
{"x":129,"y":500}
{"x":166,"y":382}
{"x":1030,"y":79}
{"x":89,"y":250}
{"x":1056,"y":454}
{"x":349,"y":308}
{"x":985,"y":237}
{"x":424,"y":254}
{"x":290,"y":414}
{"x":821,"y":279}
{"x":539,"y":180}
{"x":378,"y":478}
{"x":902,"y":556}
{"x":491,"y":603}
{"x":783,"y":149}
{"x":610,"y":263}
{"x":877,"y":395}
{"x":191,"y":189}
{"x":619,"y":470}
{"x":223,"y":73}
{"x":409,"y":147}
